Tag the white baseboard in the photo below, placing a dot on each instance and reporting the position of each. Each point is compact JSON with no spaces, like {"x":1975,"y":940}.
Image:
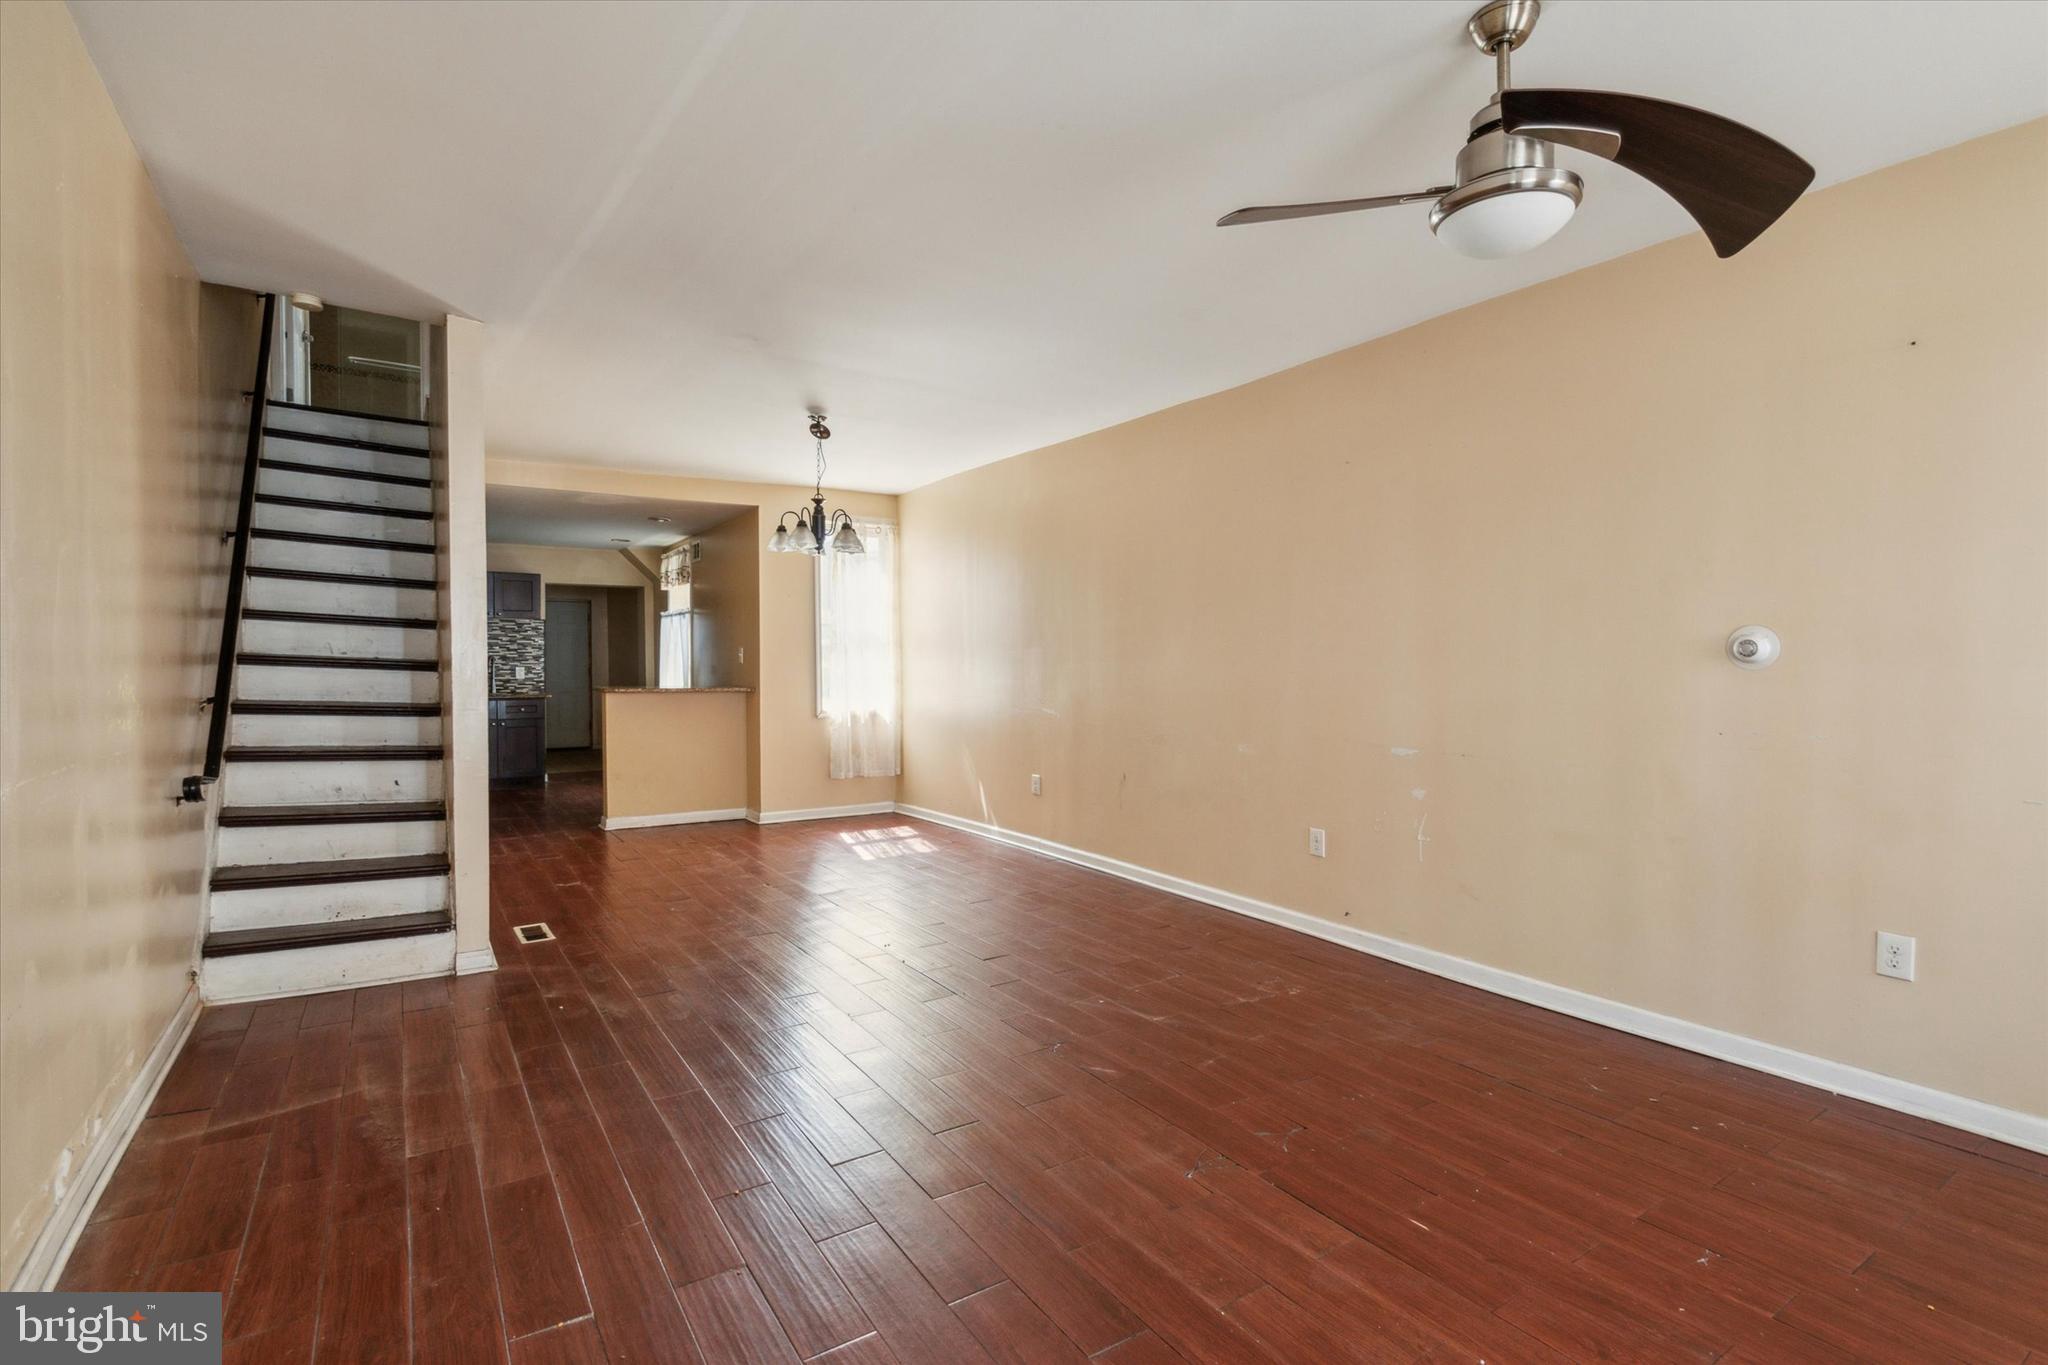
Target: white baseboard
{"x":783,"y":817}
{"x":476,"y":960}
{"x":52,"y":1247}
{"x":1907,"y":1097}
{"x":678,"y":817}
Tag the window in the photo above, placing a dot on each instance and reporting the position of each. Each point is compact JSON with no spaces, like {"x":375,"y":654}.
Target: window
{"x":673,"y":666}
{"x":675,"y":650}
{"x":857,"y":654}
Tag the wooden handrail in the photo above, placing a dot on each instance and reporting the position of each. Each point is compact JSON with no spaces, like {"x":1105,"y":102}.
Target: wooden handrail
{"x":194,"y":787}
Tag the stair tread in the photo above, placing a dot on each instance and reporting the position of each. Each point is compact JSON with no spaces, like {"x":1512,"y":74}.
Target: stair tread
{"x":368,"y":509}
{"x":334,"y":661}
{"x":339,"y":618}
{"x":321,"y":438}
{"x":228,"y":942}
{"x":348,"y":813}
{"x":357,"y":542}
{"x":344,"y":412}
{"x":296,"y":706}
{"x":255,"y":875}
{"x":328,"y":753}
{"x":366,"y":580}
{"x":328,"y":471}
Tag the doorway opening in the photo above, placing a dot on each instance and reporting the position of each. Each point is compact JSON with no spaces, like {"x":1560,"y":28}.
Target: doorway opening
{"x":596,"y":637}
{"x":590,"y":596}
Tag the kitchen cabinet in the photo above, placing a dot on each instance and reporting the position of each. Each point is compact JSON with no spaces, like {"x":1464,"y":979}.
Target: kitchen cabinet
{"x":519,"y":744}
{"x":515,"y":594}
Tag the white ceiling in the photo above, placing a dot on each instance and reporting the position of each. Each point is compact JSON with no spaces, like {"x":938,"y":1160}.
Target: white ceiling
{"x":966,"y":230}
{"x":545,"y":516}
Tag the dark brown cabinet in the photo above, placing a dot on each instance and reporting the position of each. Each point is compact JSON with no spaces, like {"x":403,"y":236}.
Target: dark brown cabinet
{"x":519,"y":740}
{"x":515,"y":594}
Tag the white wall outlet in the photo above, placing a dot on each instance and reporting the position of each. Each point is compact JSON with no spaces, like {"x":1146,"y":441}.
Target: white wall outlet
{"x":519,"y":670}
{"x":1895,"y":955}
{"x":1318,"y":846}
{"x":743,"y":653}
{"x":1037,"y":787}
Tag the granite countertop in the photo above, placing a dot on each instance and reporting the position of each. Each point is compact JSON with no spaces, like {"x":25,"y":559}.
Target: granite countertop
{"x":679,"y":690}
{"x":521,"y":696}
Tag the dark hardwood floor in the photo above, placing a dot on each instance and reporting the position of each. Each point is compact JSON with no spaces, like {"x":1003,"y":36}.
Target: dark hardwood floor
{"x":868,"y":1089}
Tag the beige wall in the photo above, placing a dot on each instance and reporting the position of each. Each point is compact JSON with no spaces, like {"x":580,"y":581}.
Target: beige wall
{"x":793,"y":762}
{"x":456,"y":410}
{"x":675,"y":752}
{"x":1459,"y":596}
{"x":121,"y":428}
{"x":725,"y":596}
{"x":627,"y":624}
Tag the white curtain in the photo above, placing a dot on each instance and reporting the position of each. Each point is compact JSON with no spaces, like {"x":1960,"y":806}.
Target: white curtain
{"x":857,"y":654}
{"x":675,"y":650}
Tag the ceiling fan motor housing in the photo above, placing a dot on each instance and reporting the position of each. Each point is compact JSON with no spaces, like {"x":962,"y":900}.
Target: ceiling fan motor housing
{"x":1488,"y":149}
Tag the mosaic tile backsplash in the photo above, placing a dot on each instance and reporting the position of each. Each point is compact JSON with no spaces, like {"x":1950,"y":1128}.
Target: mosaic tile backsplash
{"x":517,"y":641}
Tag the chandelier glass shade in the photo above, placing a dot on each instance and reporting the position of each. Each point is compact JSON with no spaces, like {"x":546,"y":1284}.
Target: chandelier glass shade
{"x":813,"y":531}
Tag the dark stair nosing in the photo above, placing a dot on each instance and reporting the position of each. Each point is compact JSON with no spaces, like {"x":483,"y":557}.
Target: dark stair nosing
{"x":367,"y":509}
{"x":357,"y":542}
{"x":328,"y":471}
{"x":262,"y":876}
{"x":259,"y":707}
{"x":339,"y":618}
{"x":321,"y":438}
{"x":328,"y":753}
{"x":345,"y":412}
{"x":334,"y":661}
{"x":350,"y":813}
{"x":275,"y":938}
{"x":364,"y":580}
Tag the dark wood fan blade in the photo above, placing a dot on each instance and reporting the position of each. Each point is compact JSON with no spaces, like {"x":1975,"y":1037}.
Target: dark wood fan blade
{"x":1733,"y":180}
{"x":1273,"y":213}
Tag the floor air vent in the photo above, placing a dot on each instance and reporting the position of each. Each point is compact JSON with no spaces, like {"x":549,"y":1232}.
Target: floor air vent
{"x":533,"y":933}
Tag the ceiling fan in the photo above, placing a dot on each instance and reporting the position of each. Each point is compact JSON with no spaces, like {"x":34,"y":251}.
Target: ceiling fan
{"x":1510,"y":196}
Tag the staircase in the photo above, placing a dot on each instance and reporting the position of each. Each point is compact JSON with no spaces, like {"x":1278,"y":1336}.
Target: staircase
{"x":330,"y":862}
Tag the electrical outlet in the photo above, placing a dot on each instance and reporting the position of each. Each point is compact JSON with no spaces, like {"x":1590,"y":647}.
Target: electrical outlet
{"x":1037,"y":788}
{"x":1318,"y":847}
{"x":519,"y":670}
{"x":1895,"y":955}
{"x":743,"y":653}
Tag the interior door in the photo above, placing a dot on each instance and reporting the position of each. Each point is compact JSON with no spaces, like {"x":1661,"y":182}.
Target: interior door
{"x":568,"y":673}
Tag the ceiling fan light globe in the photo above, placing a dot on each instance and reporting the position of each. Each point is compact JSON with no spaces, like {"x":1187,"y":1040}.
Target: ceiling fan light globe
{"x":1507,"y":211}
{"x":1506,"y":224}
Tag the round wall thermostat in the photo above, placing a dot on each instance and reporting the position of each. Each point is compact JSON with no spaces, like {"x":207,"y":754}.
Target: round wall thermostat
{"x":1753,"y":647}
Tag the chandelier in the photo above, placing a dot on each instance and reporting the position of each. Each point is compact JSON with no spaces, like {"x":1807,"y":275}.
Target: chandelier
{"x":815,"y":533}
